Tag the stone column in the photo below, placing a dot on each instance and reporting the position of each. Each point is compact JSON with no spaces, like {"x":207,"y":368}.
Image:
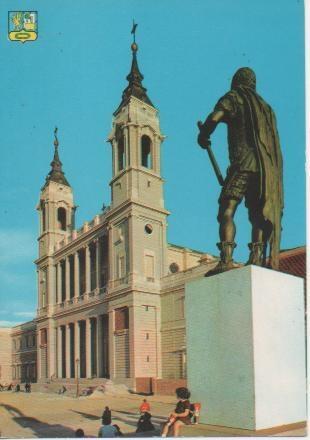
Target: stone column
{"x":99,"y":346}
{"x":67,"y":262}
{"x":114,"y":158}
{"x":77,"y":345}
{"x":38,"y":338}
{"x":111,"y":258}
{"x":127,"y":146}
{"x":59,"y":352}
{"x":97,"y":263}
{"x":76,"y":275}
{"x":58,"y":283}
{"x":50,"y":285}
{"x":51,"y":352}
{"x":68,"y":351}
{"x":87,"y":268}
{"x":111,"y":344}
{"x":38,"y":290}
{"x":88,"y":347}
{"x":130,"y":255}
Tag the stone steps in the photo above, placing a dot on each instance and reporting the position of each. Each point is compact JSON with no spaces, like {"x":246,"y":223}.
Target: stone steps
{"x":70,"y":384}
{"x":86,"y":387}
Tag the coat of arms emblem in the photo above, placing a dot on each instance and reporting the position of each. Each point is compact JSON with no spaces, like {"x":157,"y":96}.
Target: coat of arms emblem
{"x":23,"y":26}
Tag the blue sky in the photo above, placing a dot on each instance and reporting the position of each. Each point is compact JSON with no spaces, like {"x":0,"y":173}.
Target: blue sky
{"x":73,"y":77}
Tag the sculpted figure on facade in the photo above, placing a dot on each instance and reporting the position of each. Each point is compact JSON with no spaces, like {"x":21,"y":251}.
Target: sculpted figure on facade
{"x":255,"y":171}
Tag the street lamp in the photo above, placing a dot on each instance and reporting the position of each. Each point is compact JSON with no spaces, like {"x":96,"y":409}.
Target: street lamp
{"x":77,"y":361}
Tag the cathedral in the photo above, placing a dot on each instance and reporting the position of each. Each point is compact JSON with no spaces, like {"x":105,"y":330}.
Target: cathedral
{"x":111,"y":294}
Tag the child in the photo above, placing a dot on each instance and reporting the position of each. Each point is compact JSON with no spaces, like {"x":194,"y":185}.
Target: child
{"x":197,"y":408}
{"x":181,"y":415}
{"x":145,"y":407}
{"x":106,"y":414}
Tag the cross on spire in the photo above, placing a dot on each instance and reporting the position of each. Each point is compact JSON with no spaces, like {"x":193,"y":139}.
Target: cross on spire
{"x":133,"y":30}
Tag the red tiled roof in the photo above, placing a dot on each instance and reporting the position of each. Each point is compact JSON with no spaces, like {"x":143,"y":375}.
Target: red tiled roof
{"x":293,"y":261}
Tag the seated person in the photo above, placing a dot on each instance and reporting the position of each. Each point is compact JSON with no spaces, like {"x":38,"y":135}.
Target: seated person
{"x":181,"y":415}
{"x":144,"y":423}
{"x":106,"y":414}
{"x":145,"y":407}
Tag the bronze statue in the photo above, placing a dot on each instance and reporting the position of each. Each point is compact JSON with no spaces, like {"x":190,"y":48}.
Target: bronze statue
{"x":255,"y":171}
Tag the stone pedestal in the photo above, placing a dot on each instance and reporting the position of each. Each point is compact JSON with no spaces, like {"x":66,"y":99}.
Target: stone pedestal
{"x":246,"y":348}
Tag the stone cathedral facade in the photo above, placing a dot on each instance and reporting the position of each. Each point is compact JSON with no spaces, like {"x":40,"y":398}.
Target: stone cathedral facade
{"x":111,"y":294}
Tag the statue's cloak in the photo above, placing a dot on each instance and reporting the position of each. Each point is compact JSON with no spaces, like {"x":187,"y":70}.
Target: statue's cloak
{"x":267,"y":145}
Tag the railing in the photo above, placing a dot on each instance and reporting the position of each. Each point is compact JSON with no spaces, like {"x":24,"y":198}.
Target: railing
{"x":41,"y":311}
{"x":84,"y":298}
{"x":120,"y":281}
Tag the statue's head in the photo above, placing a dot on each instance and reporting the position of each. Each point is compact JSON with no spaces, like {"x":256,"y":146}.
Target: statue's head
{"x":244,"y":77}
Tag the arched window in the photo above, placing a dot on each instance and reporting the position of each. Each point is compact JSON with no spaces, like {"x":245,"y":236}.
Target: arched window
{"x":146,"y":157}
{"x":62,"y":218}
{"x":121,"y":153}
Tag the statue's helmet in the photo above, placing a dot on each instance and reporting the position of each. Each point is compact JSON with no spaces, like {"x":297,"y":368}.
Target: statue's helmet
{"x":244,"y":77}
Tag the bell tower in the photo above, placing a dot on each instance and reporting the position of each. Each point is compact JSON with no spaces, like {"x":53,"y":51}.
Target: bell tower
{"x":56,"y":207}
{"x":137,"y":210}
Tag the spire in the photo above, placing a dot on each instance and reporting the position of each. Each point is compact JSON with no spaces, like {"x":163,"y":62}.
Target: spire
{"x":135,"y":77}
{"x":56,"y":174}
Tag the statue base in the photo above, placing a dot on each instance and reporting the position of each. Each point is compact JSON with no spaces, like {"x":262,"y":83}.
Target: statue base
{"x":246,"y":348}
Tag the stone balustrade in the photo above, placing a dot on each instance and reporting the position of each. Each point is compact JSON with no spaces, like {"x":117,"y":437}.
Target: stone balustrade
{"x":84,"y":298}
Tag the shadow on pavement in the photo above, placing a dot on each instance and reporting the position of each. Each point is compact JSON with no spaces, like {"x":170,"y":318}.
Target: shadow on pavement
{"x":132,"y":413}
{"x":123,"y":419}
{"x":155,"y":433}
{"x":86,"y":415}
{"x":40,"y":429}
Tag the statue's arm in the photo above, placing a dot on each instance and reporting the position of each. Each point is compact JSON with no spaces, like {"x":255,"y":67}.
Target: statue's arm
{"x":208,"y":127}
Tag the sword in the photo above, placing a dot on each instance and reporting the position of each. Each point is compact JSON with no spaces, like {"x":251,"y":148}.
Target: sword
{"x":213,"y":161}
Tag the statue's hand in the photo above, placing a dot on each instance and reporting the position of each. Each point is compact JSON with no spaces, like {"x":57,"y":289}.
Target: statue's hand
{"x":203,"y":140}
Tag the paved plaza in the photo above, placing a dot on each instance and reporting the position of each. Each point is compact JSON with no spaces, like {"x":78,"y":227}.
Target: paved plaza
{"x":50,"y":415}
